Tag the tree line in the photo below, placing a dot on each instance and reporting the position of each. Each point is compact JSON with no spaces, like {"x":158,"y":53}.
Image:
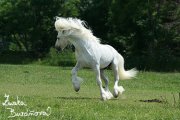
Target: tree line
{"x":146,"y":32}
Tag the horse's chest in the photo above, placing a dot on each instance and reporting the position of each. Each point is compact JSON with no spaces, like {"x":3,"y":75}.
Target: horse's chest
{"x":85,"y":59}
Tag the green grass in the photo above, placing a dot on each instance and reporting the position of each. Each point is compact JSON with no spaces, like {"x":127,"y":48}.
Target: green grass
{"x":43,"y":86}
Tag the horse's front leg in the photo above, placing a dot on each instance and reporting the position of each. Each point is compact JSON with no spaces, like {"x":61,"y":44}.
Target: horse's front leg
{"x":103,"y":93}
{"x":75,"y":79}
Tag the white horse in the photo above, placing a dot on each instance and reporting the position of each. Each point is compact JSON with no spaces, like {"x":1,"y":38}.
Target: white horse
{"x":90,"y":53}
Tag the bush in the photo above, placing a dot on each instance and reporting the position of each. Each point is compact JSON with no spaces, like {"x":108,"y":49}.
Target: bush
{"x":63,"y":58}
{"x":154,"y":63}
{"x":17,"y":57}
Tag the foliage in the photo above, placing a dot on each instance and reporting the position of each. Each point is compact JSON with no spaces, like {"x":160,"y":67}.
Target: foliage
{"x":147,"y":23}
{"x":30,"y":23}
{"x":17,"y":57}
{"x":95,"y":12}
{"x":63,"y":58}
{"x":145,"y":29}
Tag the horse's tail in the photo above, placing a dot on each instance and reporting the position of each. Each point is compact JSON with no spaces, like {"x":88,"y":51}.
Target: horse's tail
{"x":123,"y":74}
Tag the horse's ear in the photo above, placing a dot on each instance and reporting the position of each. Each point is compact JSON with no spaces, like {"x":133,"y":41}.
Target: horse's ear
{"x":57,"y":18}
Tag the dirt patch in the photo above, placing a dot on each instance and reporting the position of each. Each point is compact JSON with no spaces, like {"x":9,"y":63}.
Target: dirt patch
{"x":152,"y":100}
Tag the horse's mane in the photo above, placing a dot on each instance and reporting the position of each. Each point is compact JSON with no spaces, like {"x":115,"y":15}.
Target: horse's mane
{"x":74,"y":23}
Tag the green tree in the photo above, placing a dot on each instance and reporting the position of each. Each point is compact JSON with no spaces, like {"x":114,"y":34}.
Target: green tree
{"x":95,"y":12}
{"x":146,"y":28}
{"x":28,"y":25}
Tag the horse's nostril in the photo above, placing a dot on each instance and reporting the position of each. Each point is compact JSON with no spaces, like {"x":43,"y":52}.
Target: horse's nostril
{"x":58,"y":48}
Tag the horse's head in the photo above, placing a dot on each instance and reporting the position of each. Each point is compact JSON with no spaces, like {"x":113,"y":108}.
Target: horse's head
{"x":64,"y":30}
{"x":71,"y":29}
{"x":61,"y":42}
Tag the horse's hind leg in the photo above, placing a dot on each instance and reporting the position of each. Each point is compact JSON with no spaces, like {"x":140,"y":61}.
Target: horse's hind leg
{"x":75,"y":79}
{"x":117,"y":89}
{"x":106,"y":80}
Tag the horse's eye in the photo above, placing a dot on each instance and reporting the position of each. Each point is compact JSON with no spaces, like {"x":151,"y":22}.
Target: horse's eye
{"x":63,"y":31}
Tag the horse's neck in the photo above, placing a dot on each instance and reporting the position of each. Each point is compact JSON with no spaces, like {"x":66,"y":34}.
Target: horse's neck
{"x":82,"y":45}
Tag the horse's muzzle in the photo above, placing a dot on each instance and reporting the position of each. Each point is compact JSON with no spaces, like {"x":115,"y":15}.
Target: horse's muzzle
{"x":58,"y":49}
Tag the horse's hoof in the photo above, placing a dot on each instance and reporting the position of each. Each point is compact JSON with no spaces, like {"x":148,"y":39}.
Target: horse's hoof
{"x":76,"y":85}
{"x":115,"y":95}
{"x":118,"y":90}
{"x":77,"y":89}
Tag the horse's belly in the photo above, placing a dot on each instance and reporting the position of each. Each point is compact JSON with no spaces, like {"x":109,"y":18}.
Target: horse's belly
{"x":107,"y":56}
{"x":105,"y":62}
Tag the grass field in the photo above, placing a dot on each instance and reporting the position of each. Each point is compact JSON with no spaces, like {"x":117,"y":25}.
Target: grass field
{"x":151,"y":96}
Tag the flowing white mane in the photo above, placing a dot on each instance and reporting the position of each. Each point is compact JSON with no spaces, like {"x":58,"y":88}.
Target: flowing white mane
{"x":75,"y":24}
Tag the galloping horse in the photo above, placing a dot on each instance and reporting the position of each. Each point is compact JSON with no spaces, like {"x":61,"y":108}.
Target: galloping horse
{"x":91,"y":53}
